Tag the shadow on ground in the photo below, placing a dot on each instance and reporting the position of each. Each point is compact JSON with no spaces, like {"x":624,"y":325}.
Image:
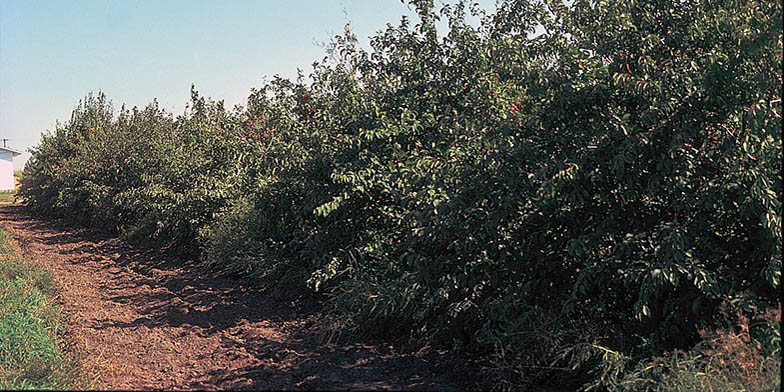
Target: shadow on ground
{"x":277,"y":335}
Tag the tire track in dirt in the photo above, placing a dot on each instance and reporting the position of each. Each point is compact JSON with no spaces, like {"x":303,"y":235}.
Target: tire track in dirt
{"x":147,"y":322}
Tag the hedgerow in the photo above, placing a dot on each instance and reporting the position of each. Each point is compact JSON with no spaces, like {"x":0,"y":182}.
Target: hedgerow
{"x":141,"y":172}
{"x":558,"y":181}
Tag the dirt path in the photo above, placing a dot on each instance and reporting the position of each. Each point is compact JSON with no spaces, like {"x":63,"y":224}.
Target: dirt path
{"x":147,"y":322}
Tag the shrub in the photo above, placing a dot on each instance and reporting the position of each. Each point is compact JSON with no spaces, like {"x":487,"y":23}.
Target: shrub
{"x":724,"y":360}
{"x":141,"y":172}
{"x":618,"y":169}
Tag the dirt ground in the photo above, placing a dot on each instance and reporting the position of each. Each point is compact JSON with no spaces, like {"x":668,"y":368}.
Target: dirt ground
{"x":146,"y":321}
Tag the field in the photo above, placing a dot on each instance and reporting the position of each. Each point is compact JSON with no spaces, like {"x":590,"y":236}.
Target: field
{"x":596,"y":206}
{"x":7,"y":197}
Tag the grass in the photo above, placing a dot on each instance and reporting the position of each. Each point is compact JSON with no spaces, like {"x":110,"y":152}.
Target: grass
{"x":7,"y":197}
{"x":32,"y":348}
{"x":729,"y":360}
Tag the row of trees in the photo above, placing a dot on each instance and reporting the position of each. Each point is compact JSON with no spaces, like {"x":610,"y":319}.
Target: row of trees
{"x":610,"y":184}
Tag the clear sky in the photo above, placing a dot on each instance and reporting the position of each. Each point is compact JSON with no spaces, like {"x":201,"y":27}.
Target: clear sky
{"x":54,"y":52}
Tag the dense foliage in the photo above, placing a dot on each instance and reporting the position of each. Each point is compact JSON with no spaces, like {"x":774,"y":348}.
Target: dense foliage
{"x":140,"y":171}
{"x":556,"y":183}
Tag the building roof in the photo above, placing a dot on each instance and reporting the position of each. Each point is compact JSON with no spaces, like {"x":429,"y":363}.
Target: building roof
{"x":11,"y":150}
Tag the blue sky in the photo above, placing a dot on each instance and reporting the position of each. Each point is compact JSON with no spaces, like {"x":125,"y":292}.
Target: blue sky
{"x":54,"y":52}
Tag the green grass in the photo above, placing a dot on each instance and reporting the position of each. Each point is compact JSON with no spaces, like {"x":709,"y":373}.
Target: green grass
{"x":7,"y":197}
{"x":32,"y":350}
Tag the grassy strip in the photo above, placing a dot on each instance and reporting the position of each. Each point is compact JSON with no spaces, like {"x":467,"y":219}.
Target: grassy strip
{"x":32,"y":352}
{"x":7,"y":197}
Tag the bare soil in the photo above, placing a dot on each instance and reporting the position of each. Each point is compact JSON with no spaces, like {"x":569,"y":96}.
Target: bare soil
{"x":149,"y":321}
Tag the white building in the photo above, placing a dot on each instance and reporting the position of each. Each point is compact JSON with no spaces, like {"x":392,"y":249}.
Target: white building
{"x":7,"y":168}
